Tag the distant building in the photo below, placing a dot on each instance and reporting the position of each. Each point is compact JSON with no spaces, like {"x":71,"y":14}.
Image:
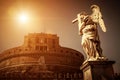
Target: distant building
{"x":41,"y":57}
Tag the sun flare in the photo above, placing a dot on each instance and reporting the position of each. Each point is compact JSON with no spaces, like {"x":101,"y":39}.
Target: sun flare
{"x":23,"y":17}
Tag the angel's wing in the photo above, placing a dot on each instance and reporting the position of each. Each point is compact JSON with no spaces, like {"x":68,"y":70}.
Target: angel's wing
{"x":101,"y":22}
{"x":97,"y":17}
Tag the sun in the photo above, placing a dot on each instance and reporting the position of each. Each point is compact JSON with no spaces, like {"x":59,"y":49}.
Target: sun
{"x":23,"y":17}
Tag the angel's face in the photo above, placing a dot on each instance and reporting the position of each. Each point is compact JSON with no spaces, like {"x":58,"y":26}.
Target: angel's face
{"x":93,"y":9}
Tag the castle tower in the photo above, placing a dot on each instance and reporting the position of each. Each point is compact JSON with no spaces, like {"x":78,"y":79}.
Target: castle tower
{"x":41,"y":57}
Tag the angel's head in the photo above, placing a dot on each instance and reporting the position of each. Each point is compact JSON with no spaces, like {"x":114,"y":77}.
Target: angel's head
{"x":95,"y":8}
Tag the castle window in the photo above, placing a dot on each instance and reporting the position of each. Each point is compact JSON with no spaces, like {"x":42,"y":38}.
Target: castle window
{"x":77,"y":54}
{"x":61,"y":51}
{"x":37,"y":40}
{"x":45,"y":40}
{"x":66,"y":51}
{"x":26,"y":49}
{"x":53,"y":43}
{"x":37,"y":47}
{"x":45,"y":48}
{"x":41,"y":48}
{"x":20,"y":50}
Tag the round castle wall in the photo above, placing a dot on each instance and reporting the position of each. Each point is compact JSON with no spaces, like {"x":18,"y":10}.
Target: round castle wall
{"x":40,"y":53}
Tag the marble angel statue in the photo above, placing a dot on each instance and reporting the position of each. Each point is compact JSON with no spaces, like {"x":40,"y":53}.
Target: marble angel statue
{"x":87,"y":25}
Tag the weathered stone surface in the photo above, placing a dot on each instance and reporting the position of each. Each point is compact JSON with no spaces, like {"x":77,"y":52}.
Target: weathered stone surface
{"x":98,"y":70}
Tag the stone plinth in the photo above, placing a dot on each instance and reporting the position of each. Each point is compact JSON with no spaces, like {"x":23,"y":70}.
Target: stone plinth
{"x":98,"y":70}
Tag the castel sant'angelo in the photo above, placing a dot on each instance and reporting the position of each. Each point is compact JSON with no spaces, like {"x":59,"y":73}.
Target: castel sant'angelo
{"x":41,"y":58}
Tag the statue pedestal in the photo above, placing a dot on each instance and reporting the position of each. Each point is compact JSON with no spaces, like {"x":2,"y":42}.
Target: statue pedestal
{"x":98,"y":70}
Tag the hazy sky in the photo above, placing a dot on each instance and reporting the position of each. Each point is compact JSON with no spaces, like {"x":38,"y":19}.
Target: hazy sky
{"x":55,"y":17}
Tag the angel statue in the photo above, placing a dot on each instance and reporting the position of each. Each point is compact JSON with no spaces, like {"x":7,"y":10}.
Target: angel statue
{"x":87,"y":25}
